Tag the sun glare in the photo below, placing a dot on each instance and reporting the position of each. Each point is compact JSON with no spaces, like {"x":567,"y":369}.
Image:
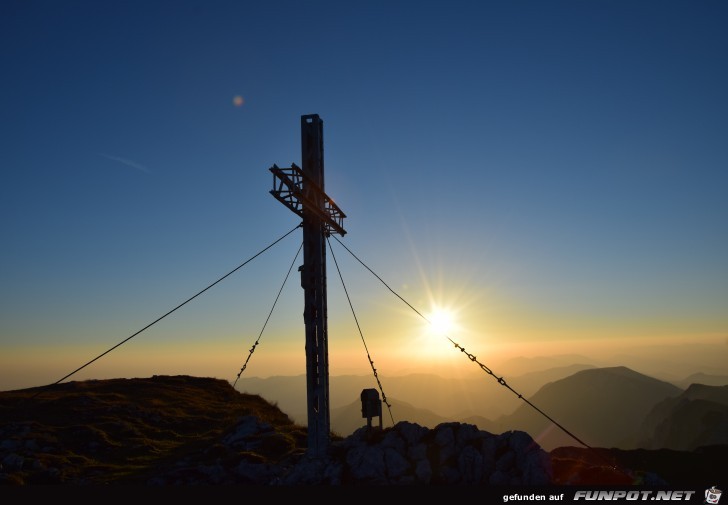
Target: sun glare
{"x":442,"y":321}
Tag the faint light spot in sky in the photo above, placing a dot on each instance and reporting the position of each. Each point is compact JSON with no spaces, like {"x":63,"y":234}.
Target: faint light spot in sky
{"x":238,"y":101}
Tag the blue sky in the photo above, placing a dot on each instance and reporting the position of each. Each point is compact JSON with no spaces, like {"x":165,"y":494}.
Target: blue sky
{"x":550,"y":170}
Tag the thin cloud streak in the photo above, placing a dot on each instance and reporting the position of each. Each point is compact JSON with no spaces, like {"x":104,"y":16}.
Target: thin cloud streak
{"x":126,"y":162}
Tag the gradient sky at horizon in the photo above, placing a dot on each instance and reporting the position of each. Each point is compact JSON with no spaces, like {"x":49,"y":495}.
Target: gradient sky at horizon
{"x":556,"y":173}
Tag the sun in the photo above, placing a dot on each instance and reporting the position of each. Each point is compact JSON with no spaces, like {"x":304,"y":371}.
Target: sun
{"x":442,"y":321}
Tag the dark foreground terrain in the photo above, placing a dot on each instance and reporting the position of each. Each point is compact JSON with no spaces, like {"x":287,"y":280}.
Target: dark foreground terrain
{"x":181,"y":430}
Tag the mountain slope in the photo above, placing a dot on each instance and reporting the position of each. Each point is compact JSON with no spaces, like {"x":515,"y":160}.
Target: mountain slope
{"x":603,"y":407}
{"x":184,"y":430}
{"x":115,"y":430}
{"x":528,"y":384}
{"x":697,"y":417}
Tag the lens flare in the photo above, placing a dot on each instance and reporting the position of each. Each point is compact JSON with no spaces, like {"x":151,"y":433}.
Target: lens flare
{"x":238,"y":101}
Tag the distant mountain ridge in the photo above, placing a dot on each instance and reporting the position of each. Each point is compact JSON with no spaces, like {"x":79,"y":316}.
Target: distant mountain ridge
{"x":522,"y":365}
{"x":529,"y":383}
{"x":478,"y":395}
{"x":583,"y":399}
{"x":703,"y":378}
{"x":603,"y":407}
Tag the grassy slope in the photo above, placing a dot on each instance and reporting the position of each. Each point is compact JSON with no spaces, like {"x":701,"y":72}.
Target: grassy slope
{"x":116,"y":430}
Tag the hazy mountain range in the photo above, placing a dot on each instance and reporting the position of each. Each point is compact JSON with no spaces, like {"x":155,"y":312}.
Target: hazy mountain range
{"x":474,"y":395}
{"x":613,"y":407}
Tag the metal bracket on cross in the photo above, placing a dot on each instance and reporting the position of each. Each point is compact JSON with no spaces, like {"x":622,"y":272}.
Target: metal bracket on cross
{"x":294,"y":189}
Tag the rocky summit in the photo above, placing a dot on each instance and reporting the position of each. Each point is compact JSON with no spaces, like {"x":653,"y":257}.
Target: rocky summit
{"x":451,"y":453}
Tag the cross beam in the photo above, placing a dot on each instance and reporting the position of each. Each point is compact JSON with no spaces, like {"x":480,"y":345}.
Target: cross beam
{"x":302,"y":191}
{"x":288,"y":188}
